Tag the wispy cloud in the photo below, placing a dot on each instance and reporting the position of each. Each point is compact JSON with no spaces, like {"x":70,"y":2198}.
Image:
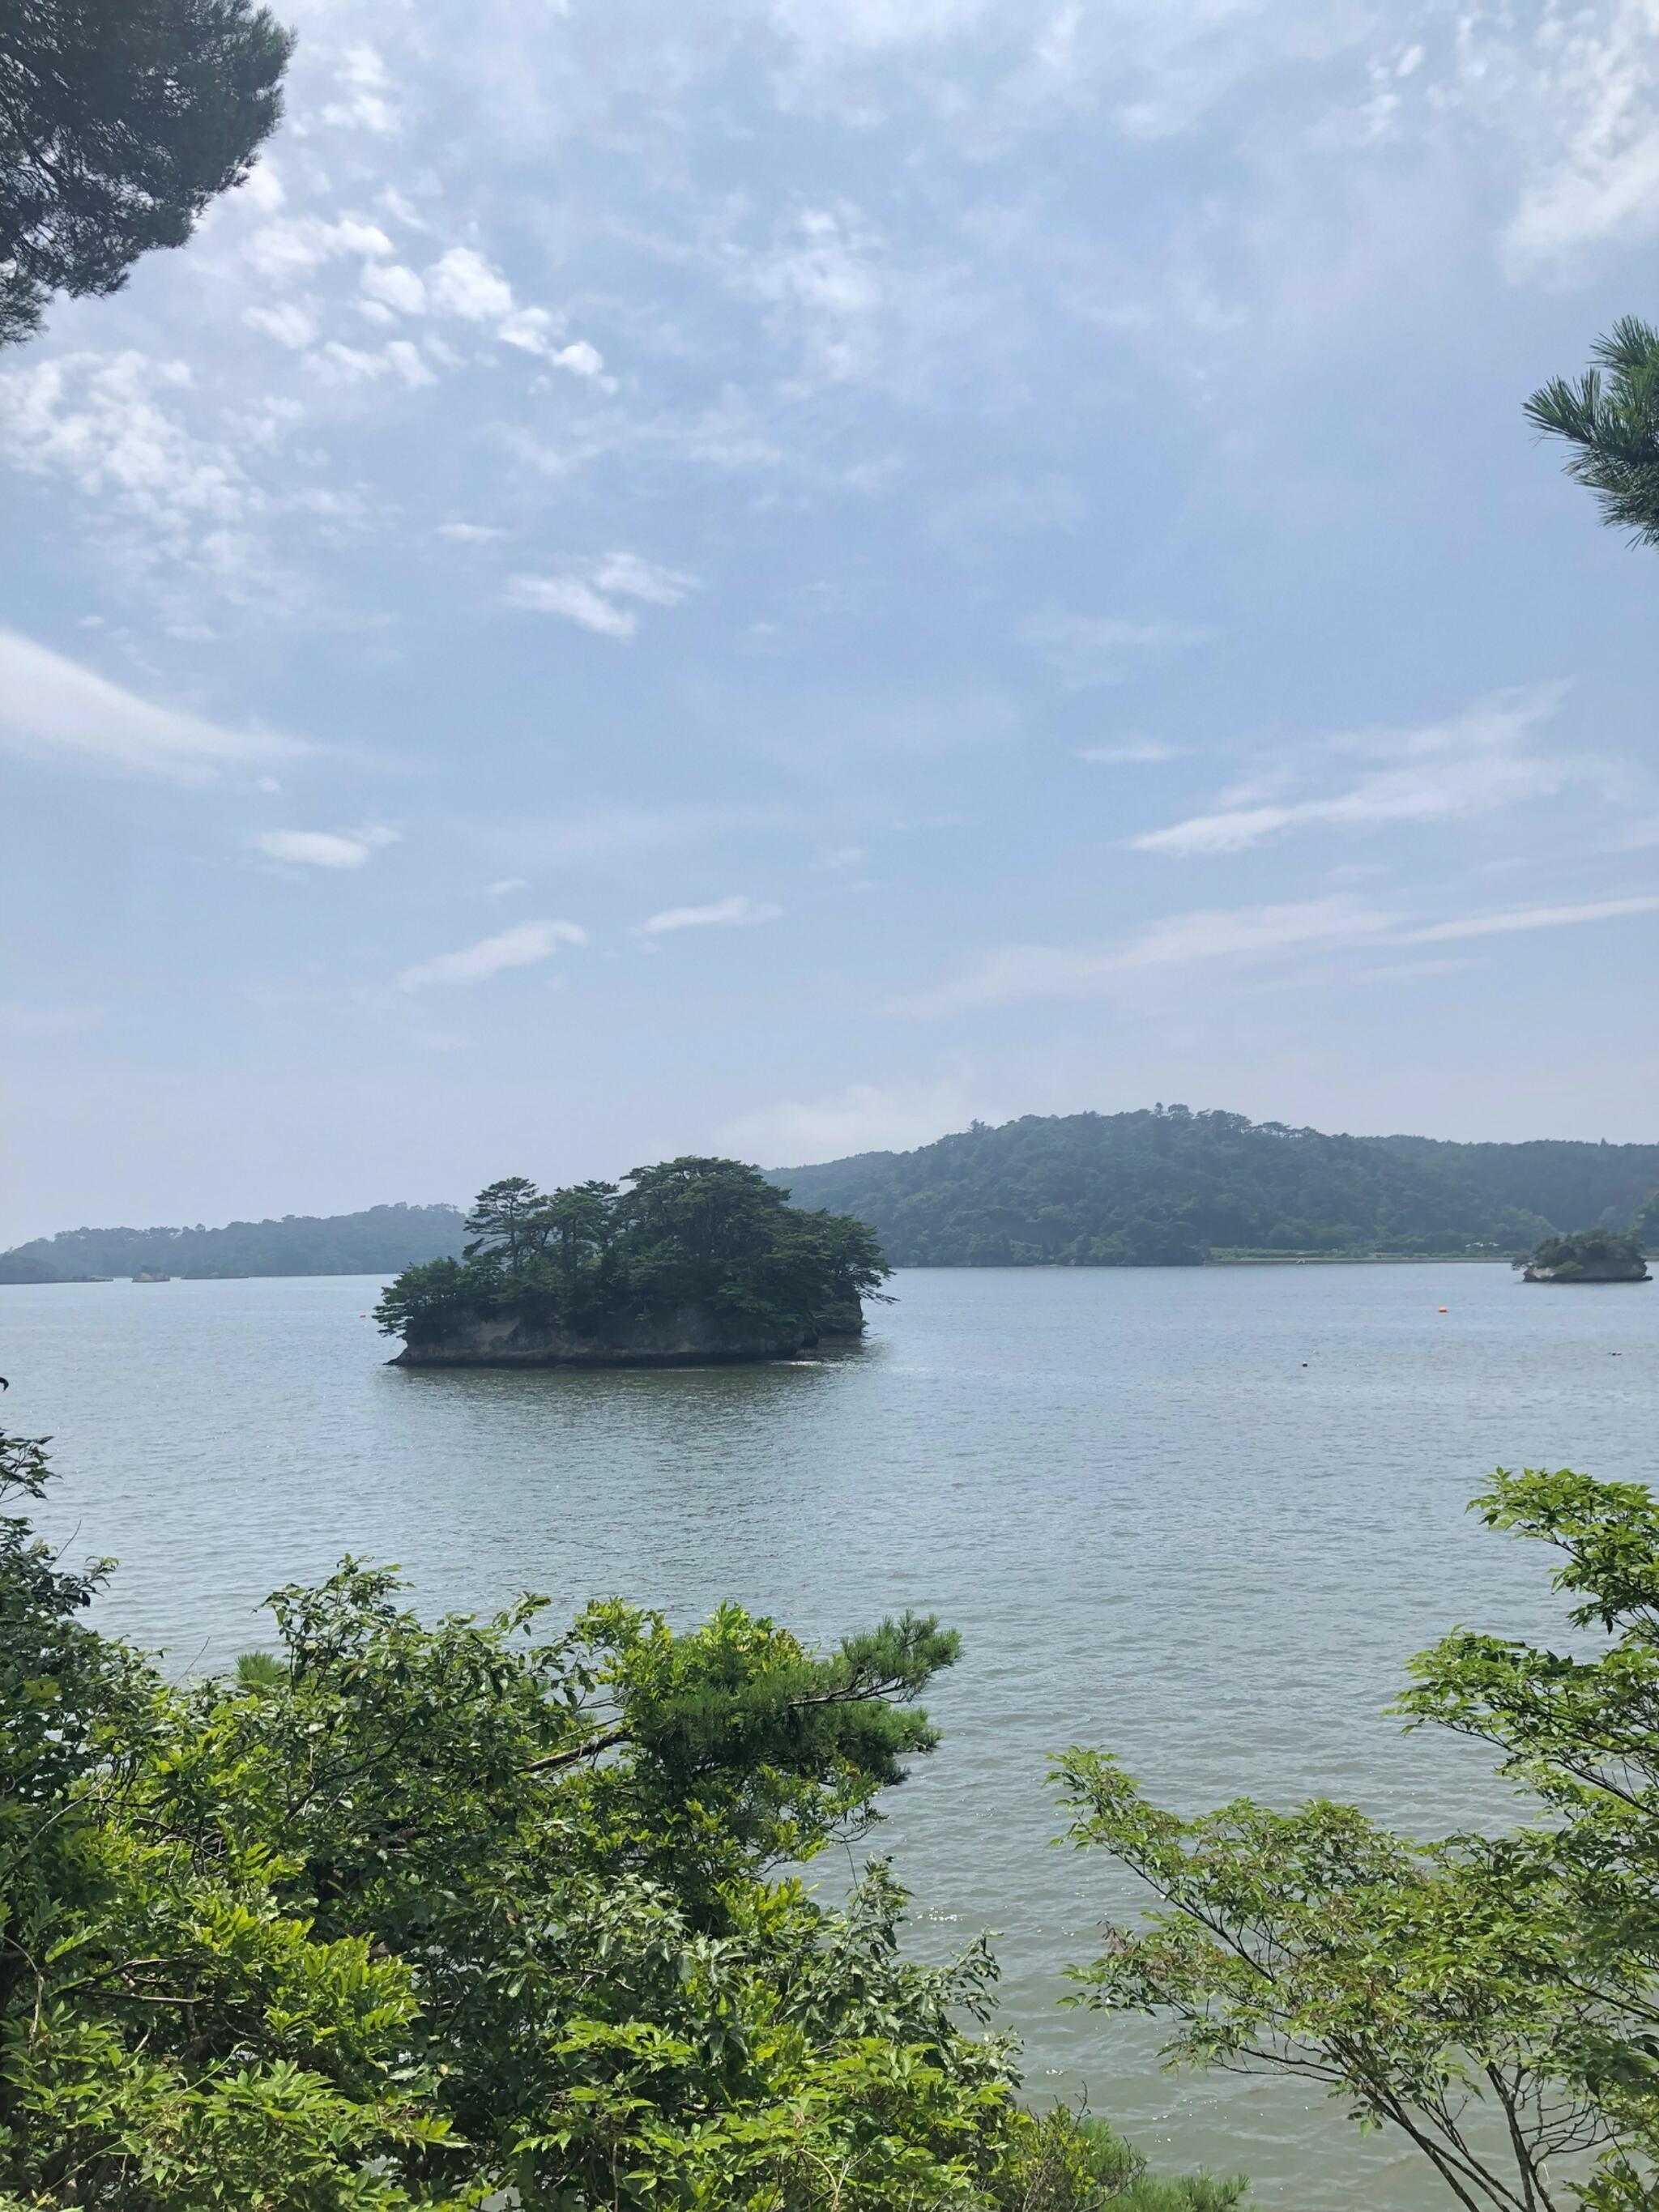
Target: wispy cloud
{"x":1019,"y":972}
{"x":1085,"y":650}
{"x":322,"y":848}
{"x":1129,"y":752}
{"x":738,"y":912}
{"x":524,"y":946}
{"x":1527,"y":917}
{"x":54,"y":709}
{"x":1040,"y":971}
{"x":587,"y":592}
{"x":1474,"y":762}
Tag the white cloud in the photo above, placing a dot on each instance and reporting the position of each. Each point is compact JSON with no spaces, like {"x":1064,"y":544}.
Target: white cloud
{"x":532,"y":330}
{"x":364,"y":83}
{"x":262,"y":187}
{"x":100,"y":418}
{"x":576,"y":601}
{"x":1129,"y":752}
{"x":52,"y":709}
{"x":394,"y":286}
{"x":505,"y":885}
{"x":583,"y":359}
{"x":1084,"y":650}
{"x":1037,"y":971}
{"x":322,"y":848}
{"x":288,"y":324}
{"x":462,"y":282}
{"x":587,"y":592}
{"x":1473,"y":764}
{"x":1575,"y":90}
{"x":339,"y":364}
{"x":738,"y":912}
{"x":295,"y":246}
{"x":625,"y":573}
{"x":524,"y":946}
{"x":470,"y":533}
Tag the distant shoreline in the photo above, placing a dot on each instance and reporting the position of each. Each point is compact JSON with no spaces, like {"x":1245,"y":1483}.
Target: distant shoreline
{"x":923,"y":1266}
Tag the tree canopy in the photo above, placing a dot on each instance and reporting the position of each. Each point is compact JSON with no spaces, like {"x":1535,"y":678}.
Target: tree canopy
{"x":1496,"y":1999}
{"x":120,"y":121}
{"x":694,"y":1232}
{"x":1609,"y":417}
{"x":409,"y":1914}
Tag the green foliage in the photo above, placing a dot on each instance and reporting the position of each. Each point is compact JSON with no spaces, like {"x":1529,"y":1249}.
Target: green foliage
{"x":1496,"y":1999}
{"x":709,"y":1234}
{"x":1069,"y":2163}
{"x":120,"y":121}
{"x":1610,"y":417}
{"x":376,"y":1241}
{"x":407,"y":1914}
{"x":1589,"y":1256}
{"x":1158,"y":1187}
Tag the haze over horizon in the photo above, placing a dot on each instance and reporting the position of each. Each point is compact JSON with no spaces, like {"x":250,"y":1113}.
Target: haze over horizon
{"x":779,"y":587}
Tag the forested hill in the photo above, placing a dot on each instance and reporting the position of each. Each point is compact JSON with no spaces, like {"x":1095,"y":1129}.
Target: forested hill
{"x":380,"y":1241}
{"x":1163,"y":1186}
{"x":1571,"y":1186}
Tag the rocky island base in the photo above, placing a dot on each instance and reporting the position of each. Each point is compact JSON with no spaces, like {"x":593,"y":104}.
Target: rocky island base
{"x":685,"y":1337}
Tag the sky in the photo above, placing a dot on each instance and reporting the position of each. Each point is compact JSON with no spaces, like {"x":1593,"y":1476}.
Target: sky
{"x":774,"y":577}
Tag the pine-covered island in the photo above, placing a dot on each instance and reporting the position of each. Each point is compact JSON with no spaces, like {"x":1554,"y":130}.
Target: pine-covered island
{"x":692,"y":1259}
{"x":1588,"y":1256}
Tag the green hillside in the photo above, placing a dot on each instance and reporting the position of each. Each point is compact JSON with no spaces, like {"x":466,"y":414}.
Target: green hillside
{"x":1169,"y":1185}
{"x":380,"y":1241}
{"x":1573,"y":1186}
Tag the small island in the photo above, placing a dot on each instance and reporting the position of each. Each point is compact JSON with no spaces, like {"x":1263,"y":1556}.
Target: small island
{"x":691,"y":1260}
{"x":1588,"y":1256}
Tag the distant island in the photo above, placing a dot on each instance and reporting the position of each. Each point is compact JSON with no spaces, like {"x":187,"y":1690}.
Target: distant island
{"x":693,"y":1259}
{"x":1588,"y":1256}
{"x":1159,"y":1187}
{"x":376,"y":1241}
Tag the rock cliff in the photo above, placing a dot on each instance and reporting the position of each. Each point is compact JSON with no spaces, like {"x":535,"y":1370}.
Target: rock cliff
{"x":685,"y":1335}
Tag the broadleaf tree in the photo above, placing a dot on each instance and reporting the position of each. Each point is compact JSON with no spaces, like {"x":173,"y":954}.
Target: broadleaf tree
{"x":1494,"y":1998}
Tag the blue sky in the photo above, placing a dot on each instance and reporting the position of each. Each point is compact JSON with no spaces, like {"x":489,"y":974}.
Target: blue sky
{"x":776,"y":576}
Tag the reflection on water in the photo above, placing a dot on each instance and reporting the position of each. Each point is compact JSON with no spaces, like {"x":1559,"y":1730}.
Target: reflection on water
{"x":1202,"y":1517}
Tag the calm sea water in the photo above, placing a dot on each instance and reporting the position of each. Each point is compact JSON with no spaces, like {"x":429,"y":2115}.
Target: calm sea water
{"x":1200,"y":1516}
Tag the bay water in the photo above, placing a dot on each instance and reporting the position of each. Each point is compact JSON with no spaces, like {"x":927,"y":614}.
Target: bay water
{"x":1200,"y":1516}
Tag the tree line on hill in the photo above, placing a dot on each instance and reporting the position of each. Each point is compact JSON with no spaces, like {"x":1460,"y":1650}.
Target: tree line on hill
{"x":1166,"y":1186}
{"x":1159,"y":1187}
{"x":376,"y":1241}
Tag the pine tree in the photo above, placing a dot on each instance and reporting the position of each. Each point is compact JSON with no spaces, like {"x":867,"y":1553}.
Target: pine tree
{"x":120,"y":121}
